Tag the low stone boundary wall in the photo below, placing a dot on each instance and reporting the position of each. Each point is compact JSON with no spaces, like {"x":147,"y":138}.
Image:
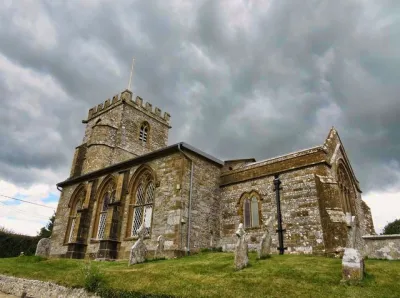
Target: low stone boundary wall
{"x":382,"y":246}
{"x":35,"y":288}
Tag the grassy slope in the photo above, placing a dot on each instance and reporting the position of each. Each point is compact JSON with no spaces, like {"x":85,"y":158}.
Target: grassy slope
{"x":212,"y":275}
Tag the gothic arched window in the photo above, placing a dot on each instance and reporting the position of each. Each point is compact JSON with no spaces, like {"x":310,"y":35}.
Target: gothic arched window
{"x":144,"y":132}
{"x":107,"y":196}
{"x":76,"y":204}
{"x":346,"y":189}
{"x":141,"y":204}
{"x":249,"y":210}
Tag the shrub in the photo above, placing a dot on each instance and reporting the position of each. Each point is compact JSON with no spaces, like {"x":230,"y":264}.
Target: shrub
{"x":93,"y":278}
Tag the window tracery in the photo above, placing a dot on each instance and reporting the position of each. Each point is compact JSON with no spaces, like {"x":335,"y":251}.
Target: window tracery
{"x":250,"y":209}
{"x":346,"y":189}
{"x":107,"y":196}
{"x":77,"y":204}
{"x":141,"y":205}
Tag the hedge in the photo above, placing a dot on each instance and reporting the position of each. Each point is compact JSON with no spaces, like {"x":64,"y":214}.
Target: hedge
{"x":11,"y":245}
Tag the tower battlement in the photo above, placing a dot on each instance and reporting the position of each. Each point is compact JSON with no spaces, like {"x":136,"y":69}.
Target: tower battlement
{"x":126,"y":96}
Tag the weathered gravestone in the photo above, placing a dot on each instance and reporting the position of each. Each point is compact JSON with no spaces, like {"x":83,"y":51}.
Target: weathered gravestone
{"x":138,"y":250}
{"x":353,"y":267}
{"x":159,"y":253}
{"x":241,"y":249}
{"x":43,"y":248}
{"x":264,"y":249}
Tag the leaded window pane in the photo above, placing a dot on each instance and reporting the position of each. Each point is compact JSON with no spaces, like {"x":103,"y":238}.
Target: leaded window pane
{"x":254,"y":212}
{"x":150,"y":193}
{"x":140,"y":194}
{"x":105,"y":202}
{"x":71,"y":232}
{"x":102,"y":225}
{"x":148,"y":210}
{"x":246,"y":213}
{"x":137,"y":220}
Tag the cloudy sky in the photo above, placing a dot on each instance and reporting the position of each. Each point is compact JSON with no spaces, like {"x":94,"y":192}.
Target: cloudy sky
{"x":239,"y":78}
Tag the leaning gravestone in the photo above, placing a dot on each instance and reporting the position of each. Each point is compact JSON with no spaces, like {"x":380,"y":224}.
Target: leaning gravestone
{"x":138,"y":250}
{"x":264,"y":250}
{"x":241,"y":249}
{"x":43,"y":248}
{"x":353,"y":267}
{"x":159,"y":253}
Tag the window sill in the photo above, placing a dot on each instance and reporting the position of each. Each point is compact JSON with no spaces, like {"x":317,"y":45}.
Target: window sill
{"x":135,"y":238}
{"x":253,"y":229}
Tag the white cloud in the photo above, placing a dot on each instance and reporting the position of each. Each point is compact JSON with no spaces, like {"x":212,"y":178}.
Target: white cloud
{"x":23,"y":217}
{"x":384,"y":206}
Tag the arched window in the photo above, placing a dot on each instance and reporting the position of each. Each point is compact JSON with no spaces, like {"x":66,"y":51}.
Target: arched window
{"x":107,"y":196}
{"x":76,"y":204}
{"x":249,"y":209}
{"x":144,"y":132}
{"x":346,"y":189}
{"x":141,"y":204}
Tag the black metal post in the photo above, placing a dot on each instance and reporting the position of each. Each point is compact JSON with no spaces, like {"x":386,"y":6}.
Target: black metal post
{"x":280,"y":231}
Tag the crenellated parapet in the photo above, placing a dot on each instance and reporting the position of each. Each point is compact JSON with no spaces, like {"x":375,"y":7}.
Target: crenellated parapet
{"x":126,"y":96}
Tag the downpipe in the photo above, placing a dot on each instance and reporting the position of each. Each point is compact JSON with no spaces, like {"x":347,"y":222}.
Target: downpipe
{"x":190,"y":199}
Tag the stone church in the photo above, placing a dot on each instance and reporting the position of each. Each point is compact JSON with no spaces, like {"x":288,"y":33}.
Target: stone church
{"x":125,"y":174}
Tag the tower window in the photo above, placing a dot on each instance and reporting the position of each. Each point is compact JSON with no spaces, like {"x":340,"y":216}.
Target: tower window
{"x":144,"y":132}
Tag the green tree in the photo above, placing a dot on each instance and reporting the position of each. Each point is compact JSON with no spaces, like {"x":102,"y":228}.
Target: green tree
{"x":392,"y":228}
{"x":45,"y":232}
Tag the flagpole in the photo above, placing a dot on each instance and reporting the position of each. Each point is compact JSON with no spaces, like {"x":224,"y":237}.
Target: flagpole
{"x":130,"y":77}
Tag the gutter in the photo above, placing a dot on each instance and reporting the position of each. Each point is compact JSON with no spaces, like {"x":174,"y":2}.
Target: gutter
{"x":190,"y":198}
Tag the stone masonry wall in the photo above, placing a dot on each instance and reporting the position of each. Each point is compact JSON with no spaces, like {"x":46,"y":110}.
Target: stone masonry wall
{"x":299,"y":207}
{"x":167,"y":208}
{"x":61,"y":222}
{"x":205,"y":210}
{"x":112,"y":132}
{"x":168,"y":211}
{"x":382,"y":247}
{"x":362,"y":212}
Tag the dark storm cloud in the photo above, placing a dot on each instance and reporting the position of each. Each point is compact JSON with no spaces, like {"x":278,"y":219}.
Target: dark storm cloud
{"x":240,"y":79}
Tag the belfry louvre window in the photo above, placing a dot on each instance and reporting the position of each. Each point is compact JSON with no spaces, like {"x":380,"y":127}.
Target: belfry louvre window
{"x":250,"y":209}
{"x":144,"y":132}
{"x":141,"y":209}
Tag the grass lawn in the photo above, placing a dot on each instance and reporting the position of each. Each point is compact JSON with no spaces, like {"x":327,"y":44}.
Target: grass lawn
{"x":213,"y":275}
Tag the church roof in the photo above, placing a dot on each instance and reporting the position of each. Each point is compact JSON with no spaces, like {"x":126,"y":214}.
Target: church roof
{"x":139,"y":160}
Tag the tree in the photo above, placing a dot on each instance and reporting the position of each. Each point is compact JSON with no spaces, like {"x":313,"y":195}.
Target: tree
{"x":392,"y":228}
{"x":45,"y":232}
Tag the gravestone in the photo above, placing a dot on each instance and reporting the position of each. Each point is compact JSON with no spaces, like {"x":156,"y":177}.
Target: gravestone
{"x":264,"y":249}
{"x":159,"y":253}
{"x":353,"y":267}
{"x":241,"y":249}
{"x":138,"y":250}
{"x":43,"y":248}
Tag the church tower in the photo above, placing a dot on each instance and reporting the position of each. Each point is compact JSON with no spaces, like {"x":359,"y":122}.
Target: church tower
{"x":118,"y":130}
